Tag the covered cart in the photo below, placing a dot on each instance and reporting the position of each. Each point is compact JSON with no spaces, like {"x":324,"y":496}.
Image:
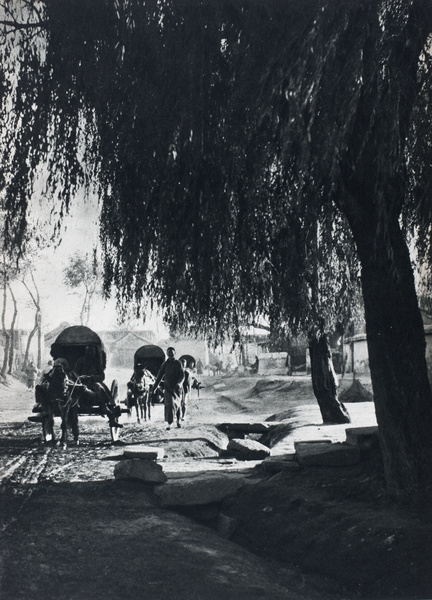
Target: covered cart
{"x":190,"y":361}
{"x":150,"y":358}
{"x":81,"y":350}
{"x":191,"y":365}
{"x":147,"y":362}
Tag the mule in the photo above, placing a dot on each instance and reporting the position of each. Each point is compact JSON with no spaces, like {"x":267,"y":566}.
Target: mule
{"x":69,"y":410}
{"x":59,"y":396}
{"x":139,"y":394}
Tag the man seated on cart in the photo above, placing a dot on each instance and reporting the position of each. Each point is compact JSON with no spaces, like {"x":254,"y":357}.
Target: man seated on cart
{"x":58,"y":379}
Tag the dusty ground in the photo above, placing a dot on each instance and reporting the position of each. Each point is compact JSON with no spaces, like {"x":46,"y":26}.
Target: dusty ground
{"x":70,"y":530}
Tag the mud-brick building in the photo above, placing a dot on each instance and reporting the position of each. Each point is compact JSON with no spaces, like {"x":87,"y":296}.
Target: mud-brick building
{"x":196,"y":347}
{"x":121,"y":346}
{"x":356,"y":355}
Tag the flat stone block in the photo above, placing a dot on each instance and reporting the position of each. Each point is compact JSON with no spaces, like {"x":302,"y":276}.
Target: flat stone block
{"x":146,"y":452}
{"x":366,"y":439}
{"x":355,"y":434}
{"x":275,"y":464}
{"x":198,"y":490}
{"x":327,"y":454}
{"x":248,"y":449}
{"x":219,"y":386}
{"x":311,"y":443}
{"x":137,"y":468}
{"x":246,"y":427}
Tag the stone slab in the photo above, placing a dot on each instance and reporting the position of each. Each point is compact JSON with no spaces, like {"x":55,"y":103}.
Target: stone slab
{"x":326,"y":454}
{"x":285,"y":462}
{"x":366,"y":439}
{"x":219,"y":386}
{"x":354,"y":435}
{"x":204,"y":488}
{"x":248,"y":449}
{"x":246,"y":427}
{"x":137,"y":468}
{"x":145,"y":452}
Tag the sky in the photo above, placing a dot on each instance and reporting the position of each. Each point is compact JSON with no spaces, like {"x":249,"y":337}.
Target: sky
{"x":80,"y":233}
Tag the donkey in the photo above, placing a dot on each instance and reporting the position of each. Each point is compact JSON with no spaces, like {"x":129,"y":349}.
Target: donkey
{"x":59,"y":394}
{"x":139,"y":393}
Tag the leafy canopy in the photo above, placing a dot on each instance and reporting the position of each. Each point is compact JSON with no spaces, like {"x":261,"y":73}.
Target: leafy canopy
{"x":225,"y":140}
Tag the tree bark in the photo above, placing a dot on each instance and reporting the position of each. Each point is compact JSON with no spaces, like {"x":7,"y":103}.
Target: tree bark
{"x":324,"y":380}
{"x":29,"y":341}
{"x":39,"y":344}
{"x":12,"y":334}
{"x":5,"y":331}
{"x":396,"y":345}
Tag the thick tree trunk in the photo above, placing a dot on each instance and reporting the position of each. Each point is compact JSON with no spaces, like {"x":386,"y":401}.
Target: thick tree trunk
{"x":324,"y":380}
{"x":396,"y":344}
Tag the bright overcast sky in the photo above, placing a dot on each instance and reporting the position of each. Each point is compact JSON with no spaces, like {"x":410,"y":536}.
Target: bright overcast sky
{"x":59,"y":303}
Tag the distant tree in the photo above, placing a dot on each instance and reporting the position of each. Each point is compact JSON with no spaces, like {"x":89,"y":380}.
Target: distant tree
{"x":8,"y":274}
{"x":5,"y":331}
{"x":242,"y":150}
{"x":34,"y":294}
{"x":84,"y":272}
{"x":11,"y":353}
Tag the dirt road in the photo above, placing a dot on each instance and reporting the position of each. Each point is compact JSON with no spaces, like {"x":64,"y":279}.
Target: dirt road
{"x":70,"y":530}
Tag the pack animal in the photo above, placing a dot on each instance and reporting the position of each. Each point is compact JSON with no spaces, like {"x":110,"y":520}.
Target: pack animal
{"x":59,"y":394}
{"x":139,"y":394}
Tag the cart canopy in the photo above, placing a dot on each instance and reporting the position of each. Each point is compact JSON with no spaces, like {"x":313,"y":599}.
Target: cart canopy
{"x":79,"y":344}
{"x":190,"y":361}
{"x":149,"y":357}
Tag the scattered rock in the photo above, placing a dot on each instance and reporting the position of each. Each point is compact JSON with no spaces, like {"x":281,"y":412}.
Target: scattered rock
{"x":137,"y":468}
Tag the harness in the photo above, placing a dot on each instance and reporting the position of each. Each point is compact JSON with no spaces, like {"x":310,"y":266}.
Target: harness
{"x":61,"y":390}
{"x":70,"y":401}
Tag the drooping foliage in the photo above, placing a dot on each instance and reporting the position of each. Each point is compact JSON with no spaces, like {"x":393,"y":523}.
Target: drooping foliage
{"x":220,"y":138}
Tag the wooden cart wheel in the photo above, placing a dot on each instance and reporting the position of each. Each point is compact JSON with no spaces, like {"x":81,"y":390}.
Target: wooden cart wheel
{"x":114,"y":391}
{"x":115,"y":431}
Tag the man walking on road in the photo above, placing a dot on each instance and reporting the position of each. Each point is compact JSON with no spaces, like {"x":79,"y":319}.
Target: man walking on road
{"x":172,"y":374}
{"x":186,"y":388}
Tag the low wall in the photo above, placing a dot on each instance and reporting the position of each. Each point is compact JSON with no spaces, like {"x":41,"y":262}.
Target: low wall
{"x":274,"y":363}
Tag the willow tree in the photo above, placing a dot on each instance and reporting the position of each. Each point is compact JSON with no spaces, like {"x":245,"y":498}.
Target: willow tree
{"x":241,"y":150}
{"x":83,"y":271}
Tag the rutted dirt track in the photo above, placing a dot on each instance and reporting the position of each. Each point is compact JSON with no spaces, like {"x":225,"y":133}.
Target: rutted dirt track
{"x":70,"y":530}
